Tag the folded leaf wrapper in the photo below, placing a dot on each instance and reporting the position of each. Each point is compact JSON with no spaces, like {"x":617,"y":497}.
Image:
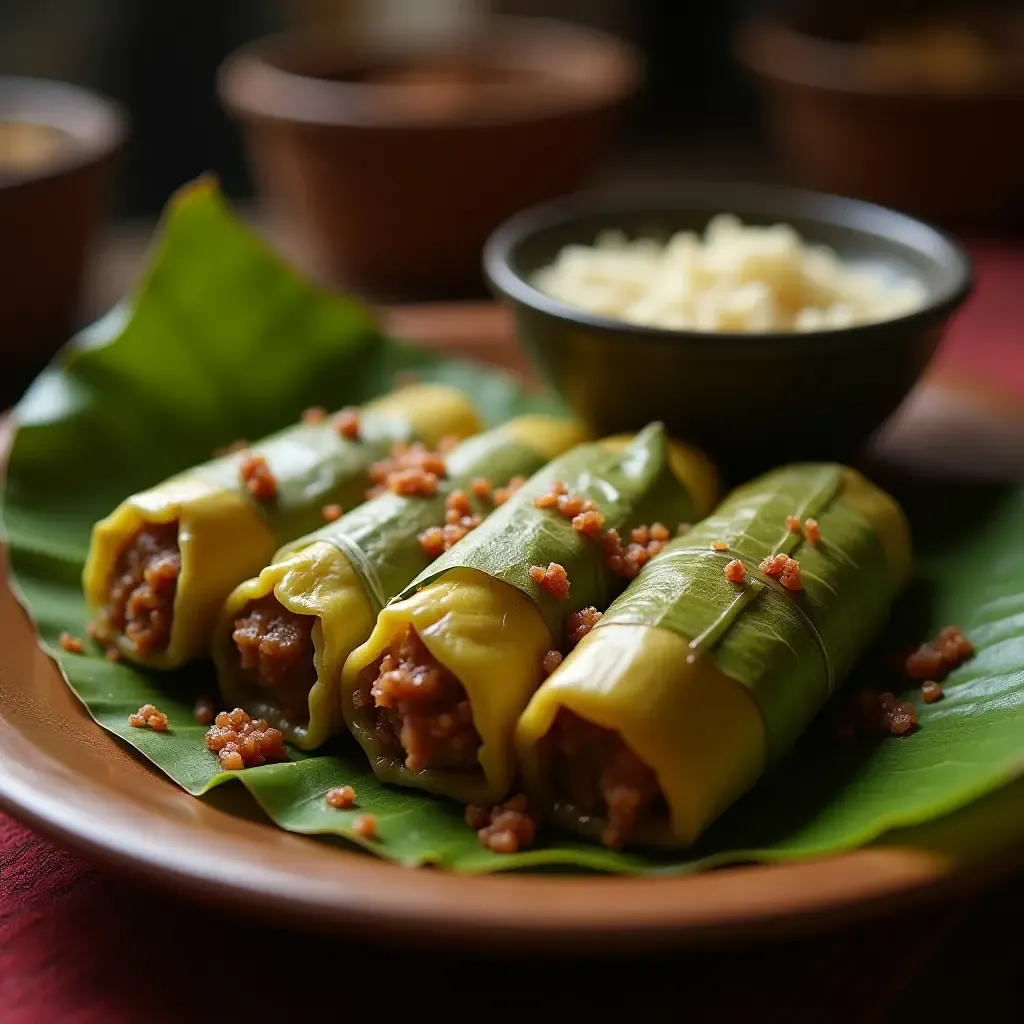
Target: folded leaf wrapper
{"x":479,"y":613}
{"x":224,"y":534}
{"x":344,"y":573}
{"x":707,"y":681}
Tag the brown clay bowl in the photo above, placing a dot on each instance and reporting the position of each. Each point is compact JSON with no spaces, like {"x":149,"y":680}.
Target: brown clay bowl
{"x":391,"y":165}
{"x":57,"y":149}
{"x":856,"y":118}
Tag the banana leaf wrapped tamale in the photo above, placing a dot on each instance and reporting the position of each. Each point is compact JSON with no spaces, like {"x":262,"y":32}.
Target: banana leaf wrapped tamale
{"x":284,"y":635}
{"x":435,"y":693}
{"x":162,"y":563}
{"x":715,"y":659}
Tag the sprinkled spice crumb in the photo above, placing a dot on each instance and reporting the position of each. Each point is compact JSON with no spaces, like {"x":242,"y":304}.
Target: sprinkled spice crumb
{"x":792,"y":524}
{"x":634,"y":558}
{"x":931,"y":691}
{"x":502,"y":494}
{"x":551,"y":661}
{"x":71,"y":644}
{"x":432,"y":541}
{"x":413,"y":481}
{"x":346,"y":423}
{"x":790,"y":577}
{"x":331,"y":512}
{"x":505,"y":828}
{"x":590,"y":523}
{"x":481,"y":488}
{"x":148,"y":715}
{"x":314,"y":414}
{"x":735,"y":571}
{"x":98,"y":632}
{"x":241,"y":742}
{"x":254,"y":472}
{"x":340,"y":797}
{"x":365,"y":826}
{"x":683,"y":528}
{"x":457,"y":506}
{"x":204,"y":710}
{"x":411,"y":469}
{"x":112,"y":654}
{"x":812,"y":531}
{"x":937,"y":658}
{"x":658,"y":532}
{"x":580,"y":623}
{"x":553,"y":579}
{"x":719,"y":545}
{"x":873,"y":716}
{"x":773,"y":565}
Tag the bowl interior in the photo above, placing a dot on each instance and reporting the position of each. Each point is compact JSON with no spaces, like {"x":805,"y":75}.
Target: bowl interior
{"x":51,"y":127}
{"x":861,"y":233}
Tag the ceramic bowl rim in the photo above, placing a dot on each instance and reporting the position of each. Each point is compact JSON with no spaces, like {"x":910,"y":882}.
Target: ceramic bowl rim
{"x":97,"y":124}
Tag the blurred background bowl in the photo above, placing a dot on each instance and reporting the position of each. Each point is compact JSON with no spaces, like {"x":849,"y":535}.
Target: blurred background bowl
{"x":57,"y":149}
{"x":911,"y":103}
{"x":393,"y":159}
{"x":751,"y":400}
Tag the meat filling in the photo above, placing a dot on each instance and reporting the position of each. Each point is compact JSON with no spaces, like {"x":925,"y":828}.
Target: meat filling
{"x":421,"y":711}
{"x":594,"y":771}
{"x":275,"y":647}
{"x":140,"y":603}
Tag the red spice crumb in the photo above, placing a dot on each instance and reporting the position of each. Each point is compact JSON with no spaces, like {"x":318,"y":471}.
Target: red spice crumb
{"x":340,"y":797}
{"x":639,"y":535}
{"x":346,"y":423}
{"x":580,"y":623}
{"x":634,"y":558}
{"x":924,"y":663}
{"x":590,"y":523}
{"x":683,"y":528}
{"x":931,"y":691}
{"x":254,"y":472}
{"x":719,"y":545}
{"x":790,"y":577}
{"x":654,"y":547}
{"x":551,"y":661}
{"x":478,"y":817}
{"x":611,"y":543}
{"x":792,"y":524}
{"x":553,"y":579}
{"x":507,"y":827}
{"x":72,"y":644}
{"x":937,"y":658}
{"x":432,"y":541}
{"x":242,"y":742}
{"x":365,"y":826}
{"x":148,"y":715}
{"x":458,"y":503}
{"x":204,"y":710}
{"x":812,"y":531}
{"x":481,"y":488}
{"x":954,"y":645}
{"x":774,"y":565}
{"x":413,"y":481}
{"x":570,"y":505}
{"x":331,"y":512}
{"x":902,"y":719}
{"x":735,"y":571}
{"x":314,"y":414}
{"x":98,"y":632}
{"x":112,"y":654}
{"x":659,"y":531}
{"x":502,"y":494}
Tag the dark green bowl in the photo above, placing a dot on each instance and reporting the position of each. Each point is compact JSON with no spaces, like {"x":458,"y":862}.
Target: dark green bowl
{"x":751,"y":400}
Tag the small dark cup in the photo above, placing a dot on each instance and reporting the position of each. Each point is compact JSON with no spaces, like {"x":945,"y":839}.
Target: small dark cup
{"x":751,"y":400}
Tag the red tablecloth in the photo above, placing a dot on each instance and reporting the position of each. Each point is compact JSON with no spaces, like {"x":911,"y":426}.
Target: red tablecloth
{"x":78,"y":944}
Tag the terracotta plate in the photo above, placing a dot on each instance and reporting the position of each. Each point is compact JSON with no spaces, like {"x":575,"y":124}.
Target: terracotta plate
{"x":61,"y":773}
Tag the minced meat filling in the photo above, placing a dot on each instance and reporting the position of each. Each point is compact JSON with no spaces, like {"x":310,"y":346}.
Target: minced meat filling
{"x":275,"y":646}
{"x":421,"y":709}
{"x":140,"y":603}
{"x":593,"y":770}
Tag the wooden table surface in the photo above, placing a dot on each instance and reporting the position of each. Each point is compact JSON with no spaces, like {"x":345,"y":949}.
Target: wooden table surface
{"x":936,"y":964}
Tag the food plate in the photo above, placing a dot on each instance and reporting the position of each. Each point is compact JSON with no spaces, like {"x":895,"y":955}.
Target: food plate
{"x":60,"y":772}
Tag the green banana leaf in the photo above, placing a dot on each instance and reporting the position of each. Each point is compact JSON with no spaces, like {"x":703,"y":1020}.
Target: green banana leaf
{"x":221,"y":340}
{"x":632,"y":486}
